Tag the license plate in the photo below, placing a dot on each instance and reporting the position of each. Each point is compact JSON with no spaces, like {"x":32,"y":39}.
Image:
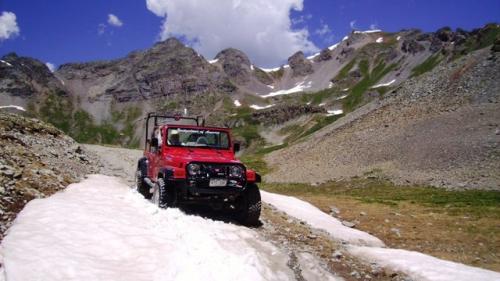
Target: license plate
{"x":218,"y":182}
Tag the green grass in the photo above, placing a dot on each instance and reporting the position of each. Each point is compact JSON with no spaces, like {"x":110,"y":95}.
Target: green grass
{"x":320,"y":123}
{"x":369,"y":79}
{"x":472,"y":202}
{"x":426,"y":66}
{"x":345,"y":70}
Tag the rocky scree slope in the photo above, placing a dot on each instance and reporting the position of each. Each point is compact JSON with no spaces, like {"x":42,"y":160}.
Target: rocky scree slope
{"x":36,"y":161}
{"x":441,"y":129}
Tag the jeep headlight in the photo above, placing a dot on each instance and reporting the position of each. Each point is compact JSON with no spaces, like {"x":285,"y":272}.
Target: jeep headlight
{"x":193,"y":169}
{"x":236,"y":171}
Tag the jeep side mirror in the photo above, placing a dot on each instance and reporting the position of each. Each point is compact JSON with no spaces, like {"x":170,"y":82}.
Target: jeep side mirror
{"x":236,"y":146}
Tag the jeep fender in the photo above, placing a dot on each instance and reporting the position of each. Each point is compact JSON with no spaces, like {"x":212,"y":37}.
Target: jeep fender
{"x":253,"y":177}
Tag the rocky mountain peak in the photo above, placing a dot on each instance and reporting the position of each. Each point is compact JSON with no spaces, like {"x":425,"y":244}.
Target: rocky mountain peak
{"x":235,"y":64}
{"x":299,"y":64}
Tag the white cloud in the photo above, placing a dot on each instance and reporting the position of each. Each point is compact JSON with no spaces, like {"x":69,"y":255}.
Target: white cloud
{"x":352,"y":24}
{"x":114,"y":20}
{"x":8,"y":26}
{"x":323,"y":30}
{"x":260,"y":28}
{"x":50,"y":66}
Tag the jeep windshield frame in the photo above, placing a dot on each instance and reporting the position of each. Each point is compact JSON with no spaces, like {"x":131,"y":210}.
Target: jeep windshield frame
{"x":198,"y":137}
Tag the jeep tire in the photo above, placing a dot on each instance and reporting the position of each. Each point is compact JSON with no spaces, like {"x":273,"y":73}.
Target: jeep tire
{"x":250,"y":205}
{"x":163,"y":195}
{"x":142,"y":186}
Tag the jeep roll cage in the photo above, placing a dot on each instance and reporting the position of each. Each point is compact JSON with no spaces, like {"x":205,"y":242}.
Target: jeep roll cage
{"x":156,"y":118}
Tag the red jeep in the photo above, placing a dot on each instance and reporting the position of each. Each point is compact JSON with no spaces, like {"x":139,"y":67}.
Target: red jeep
{"x":186,"y":162}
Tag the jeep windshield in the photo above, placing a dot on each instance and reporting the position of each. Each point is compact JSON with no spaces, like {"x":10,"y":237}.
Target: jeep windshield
{"x":200,"y":138}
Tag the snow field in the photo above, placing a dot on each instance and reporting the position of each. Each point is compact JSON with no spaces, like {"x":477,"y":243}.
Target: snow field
{"x":100,"y":229}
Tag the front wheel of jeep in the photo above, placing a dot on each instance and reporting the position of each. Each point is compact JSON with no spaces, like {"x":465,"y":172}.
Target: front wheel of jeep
{"x":163,"y":195}
{"x":142,"y":186}
{"x":250,"y":206}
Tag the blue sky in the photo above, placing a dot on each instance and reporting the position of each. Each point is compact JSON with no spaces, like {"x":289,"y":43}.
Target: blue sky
{"x":59,"y":31}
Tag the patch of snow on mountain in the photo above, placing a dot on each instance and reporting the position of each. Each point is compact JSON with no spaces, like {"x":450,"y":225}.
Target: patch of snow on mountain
{"x":213,"y":61}
{"x":341,"y":97}
{"x":13,"y":107}
{"x":100,"y":229}
{"x":6,"y":62}
{"x":345,"y":38}
{"x":312,"y":56}
{"x":237,"y":103}
{"x":251,"y":67}
{"x":368,"y":31}
{"x":345,"y":90}
{"x":274,"y":69}
{"x":258,"y":107}
{"x":317,"y":219}
{"x":379,"y":40}
{"x":398,"y":38}
{"x":334,"y":112}
{"x":322,"y":104}
{"x":419,"y":266}
{"x":332,"y":47}
{"x":384,"y":84}
{"x":298,"y":88}
{"x":330,"y":85}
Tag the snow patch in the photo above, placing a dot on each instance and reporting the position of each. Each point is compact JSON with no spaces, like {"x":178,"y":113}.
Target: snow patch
{"x":258,"y":107}
{"x":334,"y":112}
{"x":341,"y":97}
{"x":419,"y":266}
{"x":368,"y":31}
{"x":345,"y":90}
{"x":100,"y":229}
{"x":312,"y":56}
{"x":345,"y":38}
{"x":317,"y":219}
{"x":213,"y":61}
{"x":384,"y":84}
{"x":333,"y":47}
{"x":298,"y":88}
{"x":13,"y":107}
{"x":398,"y":38}
{"x":251,"y":67}
{"x":274,"y":69}
{"x":311,"y":270}
{"x":270,"y":86}
{"x":330,"y":85}
{"x":237,"y":103}
{"x":6,"y":63}
{"x":379,"y":40}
